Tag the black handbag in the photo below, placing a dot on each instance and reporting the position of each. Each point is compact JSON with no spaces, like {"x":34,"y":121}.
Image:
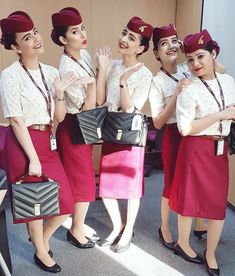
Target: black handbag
{"x":35,"y":199}
{"x":125,"y":128}
{"x":231,"y":139}
{"x":88,"y":126}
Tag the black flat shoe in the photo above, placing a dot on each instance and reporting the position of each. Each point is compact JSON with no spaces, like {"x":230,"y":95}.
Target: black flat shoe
{"x":93,"y":238}
{"x":169,"y":245}
{"x":180,"y":252}
{"x":211,"y":271}
{"x":76,"y":243}
{"x":53,"y":269}
{"x":50,"y":253}
{"x":199,"y":234}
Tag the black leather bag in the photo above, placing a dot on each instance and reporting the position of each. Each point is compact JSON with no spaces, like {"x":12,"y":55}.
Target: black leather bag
{"x":35,"y":199}
{"x":231,"y":139}
{"x":126,"y":128}
{"x":88,"y":126}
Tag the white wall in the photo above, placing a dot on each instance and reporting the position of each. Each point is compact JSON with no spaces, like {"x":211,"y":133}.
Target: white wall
{"x":218,"y":19}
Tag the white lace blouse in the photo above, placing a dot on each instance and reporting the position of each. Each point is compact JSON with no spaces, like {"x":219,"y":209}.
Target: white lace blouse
{"x":162,"y":89}
{"x":195,"y":102}
{"x":75,"y":95}
{"x":138,"y":86}
{"x":21,"y":98}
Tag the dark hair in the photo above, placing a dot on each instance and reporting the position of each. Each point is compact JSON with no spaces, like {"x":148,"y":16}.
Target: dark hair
{"x":144,"y":41}
{"x":57,"y":32}
{"x":7,"y":40}
{"x":210,"y":46}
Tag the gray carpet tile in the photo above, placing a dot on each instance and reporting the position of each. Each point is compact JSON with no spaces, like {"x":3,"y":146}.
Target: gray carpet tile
{"x":145,"y":257}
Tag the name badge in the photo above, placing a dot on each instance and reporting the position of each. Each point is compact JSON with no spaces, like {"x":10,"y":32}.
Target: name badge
{"x":136,"y":122}
{"x":53,"y":142}
{"x":220,"y":147}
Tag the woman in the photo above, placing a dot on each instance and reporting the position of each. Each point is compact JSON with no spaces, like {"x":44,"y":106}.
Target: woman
{"x":127,"y":88}
{"x":204,"y":113}
{"x":165,"y":88}
{"x":28,"y":88}
{"x":69,"y":32}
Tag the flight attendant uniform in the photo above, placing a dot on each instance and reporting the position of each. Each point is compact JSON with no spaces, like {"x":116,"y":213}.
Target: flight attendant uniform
{"x":22,"y":98}
{"x":162,"y":89}
{"x":121,"y":166}
{"x":76,"y":158}
{"x":200,"y":184}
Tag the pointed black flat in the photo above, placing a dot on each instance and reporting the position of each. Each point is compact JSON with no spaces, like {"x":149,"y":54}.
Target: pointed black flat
{"x":53,"y":269}
{"x":76,"y":243}
{"x":169,"y":245}
{"x":211,"y":271}
{"x":180,"y":252}
{"x":199,"y":234}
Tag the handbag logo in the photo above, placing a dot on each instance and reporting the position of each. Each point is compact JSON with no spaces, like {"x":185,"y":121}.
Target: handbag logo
{"x":119,"y":134}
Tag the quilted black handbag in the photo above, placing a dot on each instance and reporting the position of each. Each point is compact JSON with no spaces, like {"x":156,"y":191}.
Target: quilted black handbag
{"x":35,"y":199}
{"x":126,"y":128}
{"x":231,"y":139}
{"x":88,"y":126}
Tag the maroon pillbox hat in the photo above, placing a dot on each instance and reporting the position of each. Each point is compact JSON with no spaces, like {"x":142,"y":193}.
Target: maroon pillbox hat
{"x":16,"y":22}
{"x":66,"y":17}
{"x":196,"y":41}
{"x":162,"y":32}
{"x":137,"y":25}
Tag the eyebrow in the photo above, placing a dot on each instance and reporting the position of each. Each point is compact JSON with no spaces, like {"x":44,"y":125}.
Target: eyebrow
{"x":28,"y":34}
{"x":196,"y":55}
{"x":133,"y":36}
{"x":74,"y":28}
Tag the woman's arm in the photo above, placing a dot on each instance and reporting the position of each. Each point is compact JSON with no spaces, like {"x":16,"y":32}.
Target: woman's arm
{"x":127,"y":104}
{"x":219,"y":67}
{"x":90,"y":100}
{"x":164,"y":116}
{"x":22,"y":135}
{"x":205,"y":122}
{"x":104,"y":57}
{"x":60,"y":85}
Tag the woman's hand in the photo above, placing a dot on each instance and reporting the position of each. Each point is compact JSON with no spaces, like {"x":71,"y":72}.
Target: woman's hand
{"x":182,"y":84}
{"x":35,"y":168}
{"x":61,"y":84}
{"x":85,"y":81}
{"x":228,"y":113}
{"x":124,"y":77}
{"x":104,"y":57}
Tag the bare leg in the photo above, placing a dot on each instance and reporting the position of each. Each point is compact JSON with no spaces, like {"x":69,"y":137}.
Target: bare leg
{"x":184,"y":228}
{"x":165,"y":216}
{"x":50,"y":227}
{"x":214,"y":231}
{"x":77,"y":229}
{"x":200,"y":224}
{"x":35,"y":230}
{"x":115,"y":216}
{"x":132,"y":211}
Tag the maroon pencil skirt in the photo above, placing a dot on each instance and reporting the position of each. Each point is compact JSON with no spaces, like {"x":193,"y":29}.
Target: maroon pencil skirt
{"x":77,"y":161}
{"x":121,"y":171}
{"x":170,"y":145}
{"x":200,"y":184}
{"x":17,"y":164}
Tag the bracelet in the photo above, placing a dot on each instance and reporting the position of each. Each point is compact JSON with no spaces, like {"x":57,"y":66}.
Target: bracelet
{"x":123,"y":85}
{"x":60,"y":99}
